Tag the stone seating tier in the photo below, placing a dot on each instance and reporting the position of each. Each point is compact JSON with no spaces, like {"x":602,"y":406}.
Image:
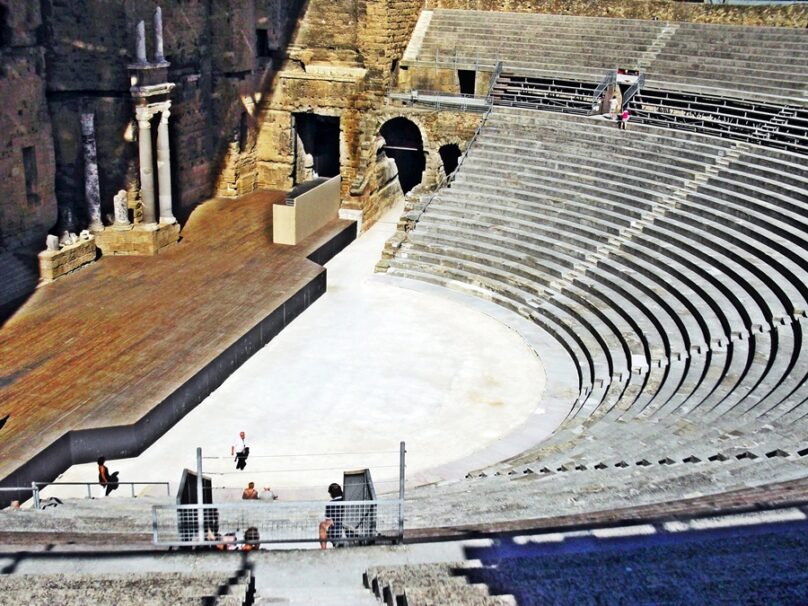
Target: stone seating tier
{"x":754,"y":61}
{"x":132,"y":589}
{"x":647,"y":227}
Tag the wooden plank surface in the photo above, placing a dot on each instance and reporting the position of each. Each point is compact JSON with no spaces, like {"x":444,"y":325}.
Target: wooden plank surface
{"x":104,"y":345}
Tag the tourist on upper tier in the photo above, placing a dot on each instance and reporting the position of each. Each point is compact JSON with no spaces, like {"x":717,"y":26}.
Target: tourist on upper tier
{"x":331,"y":526}
{"x":250,"y":492}
{"x":624,"y":119}
{"x":240,"y":450}
{"x":267,"y":494}
{"x":106,"y":479}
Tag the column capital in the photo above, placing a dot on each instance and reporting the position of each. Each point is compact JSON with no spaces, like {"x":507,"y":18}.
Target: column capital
{"x":143,"y":114}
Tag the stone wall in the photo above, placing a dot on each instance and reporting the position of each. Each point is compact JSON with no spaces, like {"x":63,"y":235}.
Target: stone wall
{"x":59,"y":59}
{"x":341,"y":62}
{"x":89,"y":45}
{"x":27,"y":202}
{"x":438,"y":128}
{"x":793,"y":15}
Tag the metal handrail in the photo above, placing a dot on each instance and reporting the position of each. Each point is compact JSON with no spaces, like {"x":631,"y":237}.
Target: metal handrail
{"x":35,"y":488}
{"x":609,"y":79}
{"x":494,"y":77}
{"x":450,"y":177}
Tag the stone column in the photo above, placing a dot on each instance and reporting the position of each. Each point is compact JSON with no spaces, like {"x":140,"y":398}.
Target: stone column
{"x":140,"y":50}
{"x":164,"y":168}
{"x":146,"y":168}
{"x":91,"y":189}
{"x":158,"y":36}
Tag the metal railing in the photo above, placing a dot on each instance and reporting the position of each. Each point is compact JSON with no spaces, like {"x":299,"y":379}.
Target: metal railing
{"x":494,"y":77}
{"x":36,"y":488}
{"x":254,"y":522}
{"x":443,"y":100}
{"x":633,"y":90}
{"x":450,"y":177}
{"x":607,"y":81}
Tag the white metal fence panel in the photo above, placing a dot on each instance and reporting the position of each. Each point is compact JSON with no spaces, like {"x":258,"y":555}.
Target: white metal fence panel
{"x":254,"y":522}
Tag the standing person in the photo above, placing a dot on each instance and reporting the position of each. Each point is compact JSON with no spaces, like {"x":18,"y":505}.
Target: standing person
{"x":250,"y":492}
{"x":624,"y":119}
{"x":106,"y":479}
{"x":331,"y":526}
{"x":241,"y":451}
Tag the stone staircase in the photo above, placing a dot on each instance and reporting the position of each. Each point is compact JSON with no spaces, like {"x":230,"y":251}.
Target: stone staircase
{"x":417,"y":39}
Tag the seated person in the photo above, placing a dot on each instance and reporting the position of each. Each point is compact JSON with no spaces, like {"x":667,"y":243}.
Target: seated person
{"x":267,"y":494}
{"x":250,"y":492}
{"x":251,"y":539}
{"x":331,"y":526}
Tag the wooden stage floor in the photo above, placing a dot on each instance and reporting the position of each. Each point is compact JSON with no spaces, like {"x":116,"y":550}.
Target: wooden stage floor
{"x":109,"y":345}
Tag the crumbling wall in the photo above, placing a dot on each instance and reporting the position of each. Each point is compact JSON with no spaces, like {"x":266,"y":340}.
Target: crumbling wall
{"x":791,"y":15}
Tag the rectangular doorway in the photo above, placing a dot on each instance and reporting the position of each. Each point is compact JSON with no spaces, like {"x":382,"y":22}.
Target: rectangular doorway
{"x":318,"y":136}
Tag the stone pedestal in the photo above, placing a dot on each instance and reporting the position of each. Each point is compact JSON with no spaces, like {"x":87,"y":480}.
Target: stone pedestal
{"x":141,"y":240}
{"x":56,"y":263}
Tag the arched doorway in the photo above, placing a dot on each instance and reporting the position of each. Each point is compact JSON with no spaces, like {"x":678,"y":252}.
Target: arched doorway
{"x":449,"y":156}
{"x":403,"y":143}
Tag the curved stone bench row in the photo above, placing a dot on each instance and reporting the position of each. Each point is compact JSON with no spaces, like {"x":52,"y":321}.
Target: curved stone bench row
{"x":597,"y":488}
{"x":743,"y":369}
{"x":470,"y":237}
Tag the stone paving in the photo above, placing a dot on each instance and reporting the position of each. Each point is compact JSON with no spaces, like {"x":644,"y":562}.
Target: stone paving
{"x":367,"y":366}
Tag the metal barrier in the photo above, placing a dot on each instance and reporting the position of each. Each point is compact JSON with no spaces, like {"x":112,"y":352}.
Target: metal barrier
{"x":36,"y":487}
{"x":441,"y":100}
{"x":256,"y":522}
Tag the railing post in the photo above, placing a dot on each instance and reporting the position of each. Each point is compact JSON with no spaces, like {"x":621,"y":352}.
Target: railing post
{"x":89,"y":490}
{"x":35,"y":489}
{"x":199,"y":496}
{"x":154,"y":523}
{"x":132,"y":486}
{"x":401,"y":466}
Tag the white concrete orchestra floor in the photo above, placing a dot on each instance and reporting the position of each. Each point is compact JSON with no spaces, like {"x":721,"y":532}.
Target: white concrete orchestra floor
{"x":367,"y":366}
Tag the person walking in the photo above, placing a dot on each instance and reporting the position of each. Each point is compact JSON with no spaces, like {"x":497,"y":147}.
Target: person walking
{"x":241,"y":451}
{"x":105,"y":478}
{"x":624,"y":119}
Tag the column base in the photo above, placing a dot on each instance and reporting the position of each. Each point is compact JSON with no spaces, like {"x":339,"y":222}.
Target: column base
{"x":142,"y":239}
{"x":168,"y":220}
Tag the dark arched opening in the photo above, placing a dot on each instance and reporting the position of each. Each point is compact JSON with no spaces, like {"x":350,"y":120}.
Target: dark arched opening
{"x":449,"y":155}
{"x":5,"y":28}
{"x":403,"y":144}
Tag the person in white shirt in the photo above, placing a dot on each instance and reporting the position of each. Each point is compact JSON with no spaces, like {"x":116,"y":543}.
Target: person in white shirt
{"x":241,"y":451}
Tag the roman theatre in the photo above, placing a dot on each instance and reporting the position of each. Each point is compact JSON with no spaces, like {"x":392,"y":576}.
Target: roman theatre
{"x":526,"y":277}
